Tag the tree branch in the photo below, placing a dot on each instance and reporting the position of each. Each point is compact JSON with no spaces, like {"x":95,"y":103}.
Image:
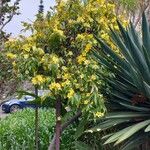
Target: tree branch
{"x":11,"y":15}
{"x":65,"y":125}
{"x":143,"y":8}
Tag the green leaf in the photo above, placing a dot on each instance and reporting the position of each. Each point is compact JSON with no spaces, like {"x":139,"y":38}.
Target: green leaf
{"x":135,"y":141}
{"x":116,"y":136}
{"x":138,"y":80}
{"x":113,"y":55}
{"x":136,"y":108}
{"x":118,"y":41}
{"x":147,"y":56}
{"x":125,"y":114}
{"x":139,"y":59}
{"x":147,"y":129}
{"x":102,"y":59}
{"x":134,"y":35}
{"x":82,"y":146}
{"x":132,"y":130}
{"x":145,"y":32}
{"x":107,"y":124}
{"x":131,"y":78}
{"x":121,"y":87}
{"x":147,"y":89}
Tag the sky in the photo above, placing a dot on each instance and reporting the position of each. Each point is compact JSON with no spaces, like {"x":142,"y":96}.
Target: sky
{"x":28,"y":10}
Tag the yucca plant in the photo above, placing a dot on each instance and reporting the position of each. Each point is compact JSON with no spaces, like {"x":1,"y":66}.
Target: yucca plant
{"x":129,"y":99}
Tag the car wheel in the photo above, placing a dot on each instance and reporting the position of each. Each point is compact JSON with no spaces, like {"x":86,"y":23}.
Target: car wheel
{"x":14,"y":108}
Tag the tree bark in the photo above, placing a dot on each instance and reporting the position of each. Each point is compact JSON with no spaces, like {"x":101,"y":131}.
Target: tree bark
{"x":36,"y":123}
{"x":58,"y":124}
{"x":63,"y":127}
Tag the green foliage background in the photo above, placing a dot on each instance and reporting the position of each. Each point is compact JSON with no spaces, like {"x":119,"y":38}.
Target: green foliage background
{"x":17,"y":131}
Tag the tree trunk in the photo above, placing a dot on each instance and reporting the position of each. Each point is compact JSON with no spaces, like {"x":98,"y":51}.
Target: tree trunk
{"x":36,"y":123}
{"x":63,"y":127}
{"x":58,"y":124}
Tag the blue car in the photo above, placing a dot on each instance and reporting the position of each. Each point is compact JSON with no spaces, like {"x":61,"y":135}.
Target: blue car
{"x":15,"y":104}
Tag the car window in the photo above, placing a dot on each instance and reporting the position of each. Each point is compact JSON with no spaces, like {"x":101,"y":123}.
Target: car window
{"x":27,"y":97}
{"x":43,"y":92}
{"x":40,"y":93}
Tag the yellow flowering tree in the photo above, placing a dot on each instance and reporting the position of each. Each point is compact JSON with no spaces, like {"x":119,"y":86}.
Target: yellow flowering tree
{"x":57,"y":57}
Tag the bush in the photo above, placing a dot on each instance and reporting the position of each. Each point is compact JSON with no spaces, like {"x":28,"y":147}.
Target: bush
{"x":17,"y":131}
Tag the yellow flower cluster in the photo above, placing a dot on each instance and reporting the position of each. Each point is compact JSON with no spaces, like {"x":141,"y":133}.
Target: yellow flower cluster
{"x":66,"y":76}
{"x":95,"y":66}
{"x":11,"y":55}
{"x":48,"y":60}
{"x":60,"y":32}
{"x":54,"y":59}
{"x":88,"y":48}
{"x":81,"y":59}
{"x":66,"y":83}
{"x":55,"y":86}
{"x":70,"y":53}
{"x":14,"y":63}
{"x":87,"y":62}
{"x":70,"y":93}
{"x":86,"y":102}
{"x":67,"y":62}
{"x":80,"y":37}
{"x":26,"y":47}
{"x":82,"y":76}
{"x":93,"y":77}
{"x":64,"y":68}
{"x":26,"y":56}
{"x":98,"y":114}
{"x":38,"y":80}
{"x":38,"y":51}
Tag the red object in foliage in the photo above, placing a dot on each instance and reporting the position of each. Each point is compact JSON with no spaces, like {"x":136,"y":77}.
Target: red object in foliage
{"x":138,"y":98}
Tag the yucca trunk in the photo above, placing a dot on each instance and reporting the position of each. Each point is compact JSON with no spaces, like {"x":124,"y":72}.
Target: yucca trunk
{"x":145,"y":146}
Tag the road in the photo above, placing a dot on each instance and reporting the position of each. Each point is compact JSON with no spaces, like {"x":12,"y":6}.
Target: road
{"x":2,"y":114}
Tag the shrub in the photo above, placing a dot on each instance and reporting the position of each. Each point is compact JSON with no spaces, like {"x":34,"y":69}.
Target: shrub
{"x":129,"y":98}
{"x":17,"y":131}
